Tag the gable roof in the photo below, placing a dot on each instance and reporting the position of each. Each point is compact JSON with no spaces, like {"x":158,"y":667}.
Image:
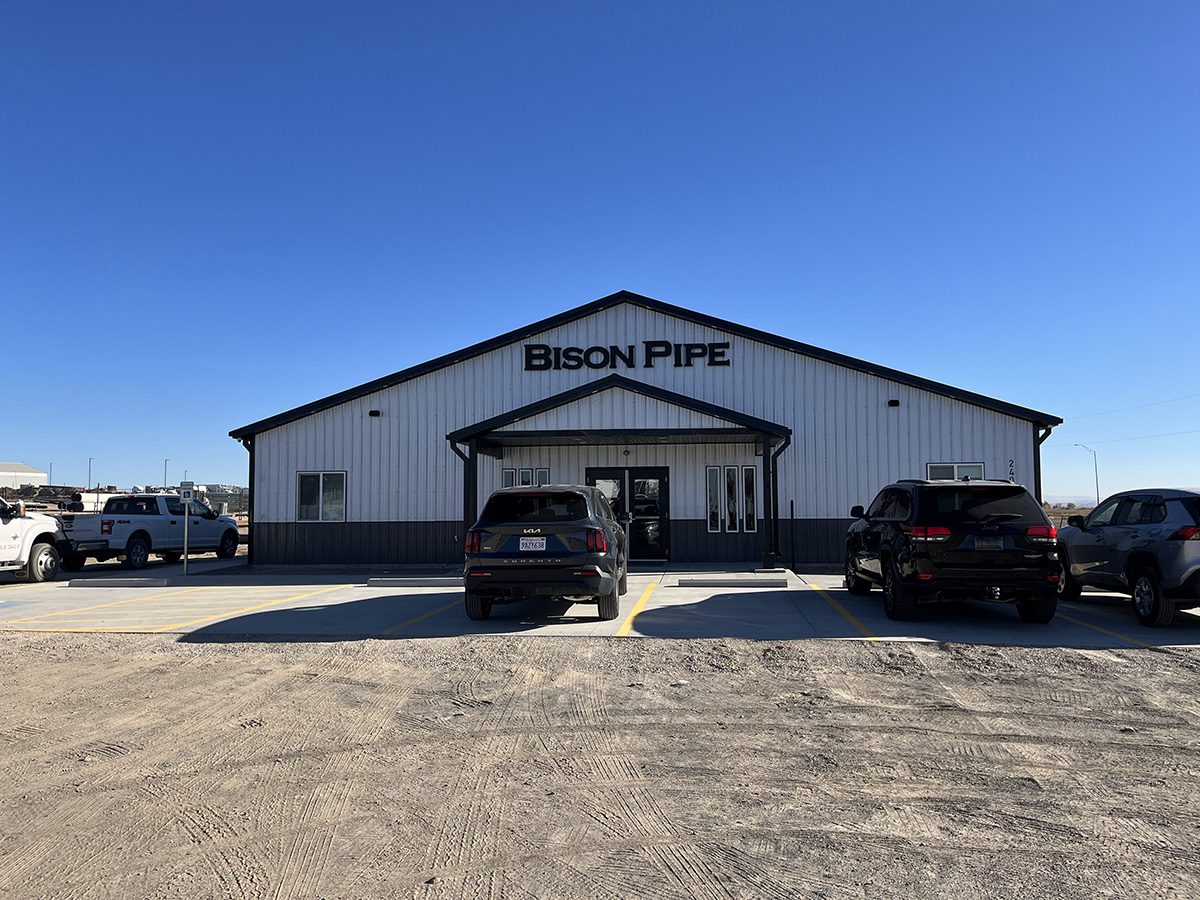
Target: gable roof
{"x":610,"y":382}
{"x":688,"y":315}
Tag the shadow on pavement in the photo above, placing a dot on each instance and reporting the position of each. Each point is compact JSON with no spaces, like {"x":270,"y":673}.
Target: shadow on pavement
{"x":393,"y":617}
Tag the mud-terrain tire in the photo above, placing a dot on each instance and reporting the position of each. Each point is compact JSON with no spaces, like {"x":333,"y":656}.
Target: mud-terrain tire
{"x":854,"y":584}
{"x":478,"y":608}
{"x":1150,"y":605}
{"x":137,"y":553}
{"x":228,"y":547}
{"x":1068,"y":587}
{"x":898,"y":602}
{"x":44,"y":563}
{"x":1037,"y":609}
{"x":609,"y":605}
{"x":73,"y":562}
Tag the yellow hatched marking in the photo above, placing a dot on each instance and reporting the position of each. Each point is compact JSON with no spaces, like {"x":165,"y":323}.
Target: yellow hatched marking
{"x":623,"y":631}
{"x":845,"y":613}
{"x":421,"y":618}
{"x":247,"y":609}
{"x":68,"y":612}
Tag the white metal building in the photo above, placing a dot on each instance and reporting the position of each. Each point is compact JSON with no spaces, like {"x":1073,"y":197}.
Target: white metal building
{"x":724,"y":442}
{"x":16,"y":475}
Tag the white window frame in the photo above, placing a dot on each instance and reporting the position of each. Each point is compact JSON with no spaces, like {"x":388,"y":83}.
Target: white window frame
{"x":749,"y":524}
{"x":957,"y":475}
{"x":708,"y":498}
{"x":508,"y":477}
{"x":539,"y":473}
{"x":321,"y":518}
{"x":525,"y":476}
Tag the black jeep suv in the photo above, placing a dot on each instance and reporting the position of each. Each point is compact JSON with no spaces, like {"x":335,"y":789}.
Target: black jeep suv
{"x":925,"y":541}
{"x":557,"y":540}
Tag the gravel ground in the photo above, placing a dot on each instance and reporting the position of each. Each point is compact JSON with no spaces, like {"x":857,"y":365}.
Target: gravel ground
{"x":595,"y":768}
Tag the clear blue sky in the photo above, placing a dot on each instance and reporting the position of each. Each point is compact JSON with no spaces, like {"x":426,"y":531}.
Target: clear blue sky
{"x":213,"y":212}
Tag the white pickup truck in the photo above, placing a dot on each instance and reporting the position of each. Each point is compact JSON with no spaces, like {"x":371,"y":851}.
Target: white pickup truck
{"x":134,"y":526}
{"x":31,"y":544}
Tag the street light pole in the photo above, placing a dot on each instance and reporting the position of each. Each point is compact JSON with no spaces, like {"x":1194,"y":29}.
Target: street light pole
{"x":165,"y":461}
{"x":95,"y":500}
{"x":1095,"y":470}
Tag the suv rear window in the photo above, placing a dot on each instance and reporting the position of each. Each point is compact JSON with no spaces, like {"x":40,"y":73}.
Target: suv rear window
{"x":542,"y":506}
{"x":985,"y":503}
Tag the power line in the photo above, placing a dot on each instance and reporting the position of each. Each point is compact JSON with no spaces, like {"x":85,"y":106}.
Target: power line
{"x":1105,"y":412}
{"x":1145,"y":437}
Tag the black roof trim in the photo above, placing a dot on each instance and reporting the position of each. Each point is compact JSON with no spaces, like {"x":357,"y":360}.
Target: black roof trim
{"x":752,"y":423}
{"x":619,"y":297}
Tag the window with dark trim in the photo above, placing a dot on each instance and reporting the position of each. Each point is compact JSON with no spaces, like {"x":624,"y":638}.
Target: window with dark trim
{"x":321,"y":497}
{"x":712,"y":476}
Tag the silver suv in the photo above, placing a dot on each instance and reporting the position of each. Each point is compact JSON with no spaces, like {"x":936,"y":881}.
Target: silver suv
{"x":1142,"y":543}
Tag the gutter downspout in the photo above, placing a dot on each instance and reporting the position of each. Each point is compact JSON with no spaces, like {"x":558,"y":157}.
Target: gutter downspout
{"x":467,"y":520}
{"x":248,"y":443}
{"x":1037,"y":459}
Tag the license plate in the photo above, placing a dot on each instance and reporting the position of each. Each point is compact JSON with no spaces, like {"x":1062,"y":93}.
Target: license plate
{"x":533,"y":543}
{"x":989,"y":543}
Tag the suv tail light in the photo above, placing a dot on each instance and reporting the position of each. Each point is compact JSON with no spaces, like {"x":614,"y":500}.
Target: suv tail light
{"x":597,"y":542}
{"x":1041,"y":534}
{"x":106,"y":526}
{"x":473,"y":542}
{"x":927,"y":532}
{"x":1186,"y":533}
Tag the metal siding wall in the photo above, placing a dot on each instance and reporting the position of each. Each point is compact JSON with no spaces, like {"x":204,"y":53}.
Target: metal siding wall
{"x":847,"y":441}
{"x":617,"y":408}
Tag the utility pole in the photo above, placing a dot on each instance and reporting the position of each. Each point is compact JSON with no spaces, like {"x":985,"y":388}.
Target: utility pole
{"x":1095,"y":470}
{"x":51,"y":479}
{"x":165,"y":461}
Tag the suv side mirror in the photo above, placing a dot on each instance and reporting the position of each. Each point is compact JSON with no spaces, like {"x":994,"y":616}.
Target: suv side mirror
{"x":857,"y":512}
{"x":1075,"y":521}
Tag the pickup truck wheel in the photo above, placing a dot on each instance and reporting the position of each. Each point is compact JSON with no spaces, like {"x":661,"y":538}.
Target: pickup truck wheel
{"x":1068,"y":587}
{"x":1037,"y":609}
{"x":623,"y":584}
{"x":172,"y":556}
{"x":609,"y":605}
{"x":477,"y":607}
{"x":137,"y":553}
{"x":73,"y":562}
{"x":43,"y":563}
{"x":897,"y":598}
{"x":854,"y":584}
{"x":1151,"y":607}
{"x":228,"y":547}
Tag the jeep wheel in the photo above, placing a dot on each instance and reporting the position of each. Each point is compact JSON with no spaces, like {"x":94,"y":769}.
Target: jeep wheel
{"x":43,"y":563}
{"x":1151,"y":607}
{"x":228,"y":547}
{"x":854,"y":584}
{"x":898,"y":601}
{"x":1038,"y":609}
{"x":137,"y":553}
{"x":609,"y":605}
{"x":477,"y":607}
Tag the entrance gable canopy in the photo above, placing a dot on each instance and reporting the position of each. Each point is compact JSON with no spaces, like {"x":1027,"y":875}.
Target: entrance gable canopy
{"x":628,"y":412}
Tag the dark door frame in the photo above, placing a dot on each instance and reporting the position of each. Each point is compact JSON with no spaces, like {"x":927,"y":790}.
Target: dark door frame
{"x":628,"y":474}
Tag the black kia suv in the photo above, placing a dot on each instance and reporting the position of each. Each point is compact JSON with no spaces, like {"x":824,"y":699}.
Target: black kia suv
{"x":559,"y":540}
{"x":926,"y":541}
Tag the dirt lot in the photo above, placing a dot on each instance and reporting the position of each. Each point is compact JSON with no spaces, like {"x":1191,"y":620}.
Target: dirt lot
{"x":594,"y":768}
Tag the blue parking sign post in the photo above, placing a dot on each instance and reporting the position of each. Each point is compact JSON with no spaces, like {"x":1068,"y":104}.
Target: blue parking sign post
{"x":187,"y":492}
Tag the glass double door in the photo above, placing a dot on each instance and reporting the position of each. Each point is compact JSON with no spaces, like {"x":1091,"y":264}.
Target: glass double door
{"x":644,"y":494}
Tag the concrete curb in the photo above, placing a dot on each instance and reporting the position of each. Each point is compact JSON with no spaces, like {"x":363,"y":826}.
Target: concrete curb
{"x":125,"y":582}
{"x":417,"y":581}
{"x":750,"y":581}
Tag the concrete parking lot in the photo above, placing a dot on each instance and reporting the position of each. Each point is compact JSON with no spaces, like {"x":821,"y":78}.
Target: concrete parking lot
{"x":224,"y":602}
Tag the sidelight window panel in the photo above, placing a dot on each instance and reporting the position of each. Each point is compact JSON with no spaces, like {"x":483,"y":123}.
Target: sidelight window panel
{"x":731,"y":498}
{"x":749,"y":506}
{"x":713,"y":480}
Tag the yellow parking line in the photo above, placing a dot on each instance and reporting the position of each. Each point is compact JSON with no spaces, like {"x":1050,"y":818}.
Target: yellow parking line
{"x":246,"y":609}
{"x":1104,"y":631}
{"x":457,"y":601}
{"x":623,"y":631}
{"x":845,"y":613}
{"x":67,"y":612}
